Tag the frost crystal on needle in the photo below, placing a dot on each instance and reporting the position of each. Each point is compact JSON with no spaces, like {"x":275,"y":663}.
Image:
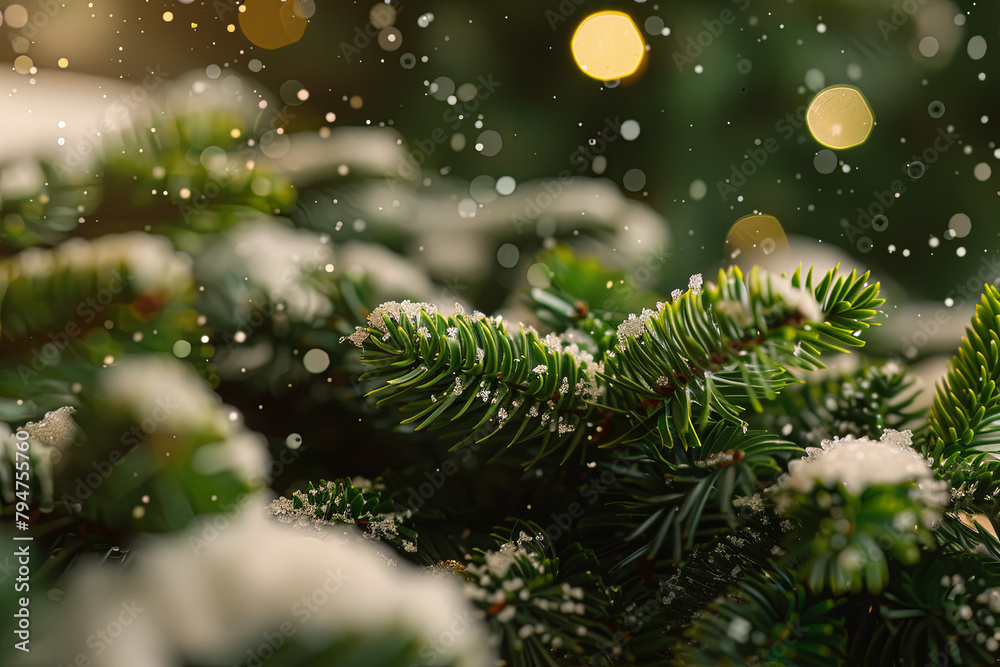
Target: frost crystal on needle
{"x":695,"y":282}
{"x":395,"y":310}
{"x":633,"y":326}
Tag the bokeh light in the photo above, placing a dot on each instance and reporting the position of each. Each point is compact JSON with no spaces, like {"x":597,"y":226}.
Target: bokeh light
{"x":608,"y":46}
{"x":839,"y":117}
{"x":15,"y":16}
{"x":272,"y":24}
{"x":754,"y":237}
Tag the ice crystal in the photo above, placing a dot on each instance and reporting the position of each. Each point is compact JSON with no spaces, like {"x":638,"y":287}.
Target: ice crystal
{"x":695,"y":282}
{"x":395,"y":310}
{"x":359,"y":336}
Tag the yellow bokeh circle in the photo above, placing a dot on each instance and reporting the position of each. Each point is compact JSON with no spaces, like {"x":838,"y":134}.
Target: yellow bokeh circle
{"x":608,"y":46}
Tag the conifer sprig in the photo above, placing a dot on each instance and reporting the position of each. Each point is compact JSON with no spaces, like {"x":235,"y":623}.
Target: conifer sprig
{"x":710,"y":351}
{"x":473,"y":373}
{"x":965,"y":415}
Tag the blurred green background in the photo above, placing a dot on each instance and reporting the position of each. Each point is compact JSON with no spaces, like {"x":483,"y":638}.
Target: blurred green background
{"x":762,"y":66}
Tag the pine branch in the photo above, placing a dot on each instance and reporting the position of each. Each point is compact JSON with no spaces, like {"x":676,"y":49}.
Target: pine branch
{"x":687,"y":498}
{"x":712,"y":350}
{"x":860,"y":403}
{"x":714,"y":566}
{"x":341,"y":501}
{"x":473,"y":374}
{"x":965,"y":415}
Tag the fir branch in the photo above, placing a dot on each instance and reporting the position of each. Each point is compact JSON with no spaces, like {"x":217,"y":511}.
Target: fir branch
{"x":471,"y":372}
{"x":733,"y":342}
{"x":714,"y":566}
{"x":684,"y":499}
{"x":861,"y":402}
{"x":965,"y":415}
{"x":341,"y":501}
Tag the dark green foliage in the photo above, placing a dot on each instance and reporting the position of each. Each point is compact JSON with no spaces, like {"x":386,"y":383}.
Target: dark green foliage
{"x":860,"y":402}
{"x":716,"y":565}
{"x":340,"y":501}
{"x":942,"y":611}
{"x":768,"y":619}
{"x":845,"y":540}
{"x":542,"y":607}
{"x":681,"y":497}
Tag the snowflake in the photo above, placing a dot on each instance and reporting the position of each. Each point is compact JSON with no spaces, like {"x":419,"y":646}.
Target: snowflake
{"x":540,"y":369}
{"x":695,"y":282}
